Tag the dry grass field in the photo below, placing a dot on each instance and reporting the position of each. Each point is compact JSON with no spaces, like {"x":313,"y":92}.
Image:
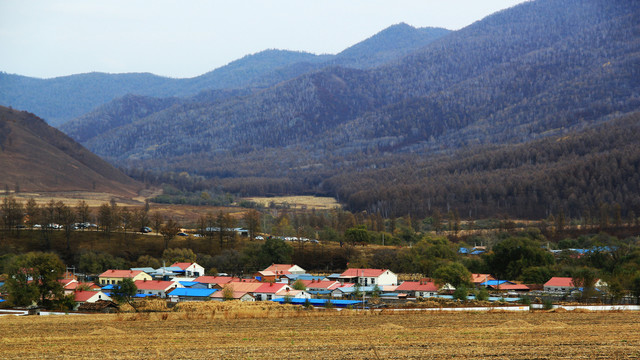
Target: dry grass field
{"x":345,"y":335}
{"x":309,"y":202}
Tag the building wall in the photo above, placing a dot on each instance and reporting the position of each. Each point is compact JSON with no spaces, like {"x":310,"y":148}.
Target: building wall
{"x":118,"y":280}
{"x":387,"y":278}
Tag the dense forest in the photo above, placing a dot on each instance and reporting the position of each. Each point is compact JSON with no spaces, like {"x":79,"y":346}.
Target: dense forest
{"x":378,"y":138}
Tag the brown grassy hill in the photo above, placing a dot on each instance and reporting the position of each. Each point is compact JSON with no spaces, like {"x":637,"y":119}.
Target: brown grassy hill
{"x":36,"y":157}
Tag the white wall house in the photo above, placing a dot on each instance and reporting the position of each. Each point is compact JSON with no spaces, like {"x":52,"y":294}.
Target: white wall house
{"x":369,"y":277}
{"x":190,"y":269}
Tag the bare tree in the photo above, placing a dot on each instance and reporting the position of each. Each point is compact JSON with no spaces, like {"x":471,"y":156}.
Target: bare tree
{"x":170,"y":229}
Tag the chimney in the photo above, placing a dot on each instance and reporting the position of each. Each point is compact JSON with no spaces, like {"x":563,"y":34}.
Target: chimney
{"x":270,"y":284}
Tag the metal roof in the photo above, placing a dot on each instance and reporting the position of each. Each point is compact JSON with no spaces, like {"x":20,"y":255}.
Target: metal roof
{"x":192,"y":292}
{"x":352,"y":289}
{"x":188,"y":283}
{"x":494,"y":282}
{"x":318,"y":302}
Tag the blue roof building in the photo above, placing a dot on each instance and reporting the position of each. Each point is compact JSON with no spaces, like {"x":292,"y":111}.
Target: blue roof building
{"x":319,"y":302}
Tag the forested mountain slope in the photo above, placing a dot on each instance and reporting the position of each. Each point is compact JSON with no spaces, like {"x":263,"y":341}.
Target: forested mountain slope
{"x":537,"y":69}
{"x":63,"y":98}
{"x":36,"y":157}
{"x":580,"y":174}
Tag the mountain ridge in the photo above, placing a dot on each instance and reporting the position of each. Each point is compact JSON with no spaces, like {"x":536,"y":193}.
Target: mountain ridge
{"x":69,"y":97}
{"x":37,"y":157}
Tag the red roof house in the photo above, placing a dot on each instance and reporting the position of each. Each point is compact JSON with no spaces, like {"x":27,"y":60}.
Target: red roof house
{"x":157,"y":288}
{"x":116,"y":276}
{"x":190,"y":269}
{"x":478,"y":279}
{"x":285,"y":269}
{"x":268,"y":291}
{"x":89,"y":296}
{"x":418,"y":288}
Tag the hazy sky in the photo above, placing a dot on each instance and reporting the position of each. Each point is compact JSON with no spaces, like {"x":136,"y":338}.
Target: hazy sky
{"x":49,"y":38}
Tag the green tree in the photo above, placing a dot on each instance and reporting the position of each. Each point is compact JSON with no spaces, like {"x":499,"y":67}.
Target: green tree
{"x":376,"y":292}
{"x":482,"y":294}
{"x":357,"y":291}
{"x":178,"y":255}
{"x":537,"y":274}
{"x":148,"y":261}
{"x":95,"y":263}
{"x":125,"y":292}
{"x":299,"y":285}
{"x":635,"y":287}
{"x":461,"y":293}
{"x":585,"y":278}
{"x":275,"y":251}
{"x":452,"y":273}
{"x":34,"y":277}
{"x":511,"y":256}
{"x":358,"y":234}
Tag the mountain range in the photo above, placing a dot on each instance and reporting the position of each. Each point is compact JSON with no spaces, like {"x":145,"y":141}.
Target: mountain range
{"x":61,"y":99}
{"x":414,"y":97}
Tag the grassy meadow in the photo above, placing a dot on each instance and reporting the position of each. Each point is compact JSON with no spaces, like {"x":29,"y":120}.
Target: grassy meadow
{"x":208,"y":333}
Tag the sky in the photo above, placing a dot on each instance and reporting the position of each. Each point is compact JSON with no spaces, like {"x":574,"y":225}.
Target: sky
{"x":50,"y":38}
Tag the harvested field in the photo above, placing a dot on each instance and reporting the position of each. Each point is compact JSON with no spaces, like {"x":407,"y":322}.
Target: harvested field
{"x":347,"y":334}
{"x":308,"y":202}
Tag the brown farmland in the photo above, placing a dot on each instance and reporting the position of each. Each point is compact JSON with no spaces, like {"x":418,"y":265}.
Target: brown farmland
{"x":569,"y":335}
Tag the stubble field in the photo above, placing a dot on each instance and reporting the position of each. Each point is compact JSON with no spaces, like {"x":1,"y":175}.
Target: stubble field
{"x":349,"y":335}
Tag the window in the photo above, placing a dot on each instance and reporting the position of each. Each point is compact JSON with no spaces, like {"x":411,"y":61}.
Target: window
{"x":373,"y":281}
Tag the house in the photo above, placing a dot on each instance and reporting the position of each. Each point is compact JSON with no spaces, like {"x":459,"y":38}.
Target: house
{"x":167,"y":273}
{"x":477,"y":279}
{"x":350,"y":291}
{"x":190,"y":269}
{"x":158,"y":288}
{"x":285,"y":269}
{"x":72,"y":286}
{"x":267,"y":276}
{"x":505,"y":285}
{"x":236,"y":295}
{"x":219,"y":281}
{"x":565,"y":284}
{"x":81,"y":297}
{"x":268,"y":291}
{"x":193,"y":284}
{"x":368,"y":277}
{"x":320,"y":286}
{"x":188,"y":294}
{"x":418,"y":289}
{"x":116,"y":276}
{"x":295,"y":277}
{"x":102,"y":306}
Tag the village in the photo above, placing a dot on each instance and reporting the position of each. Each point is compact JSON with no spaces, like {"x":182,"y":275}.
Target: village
{"x":290,"y":284}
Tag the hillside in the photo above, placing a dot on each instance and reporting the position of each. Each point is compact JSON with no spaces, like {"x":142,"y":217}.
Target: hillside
{"x":61,"y":99}
{"x":36,"y":157}
{"x":580,"y":175}
{"x":538,"y":69}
